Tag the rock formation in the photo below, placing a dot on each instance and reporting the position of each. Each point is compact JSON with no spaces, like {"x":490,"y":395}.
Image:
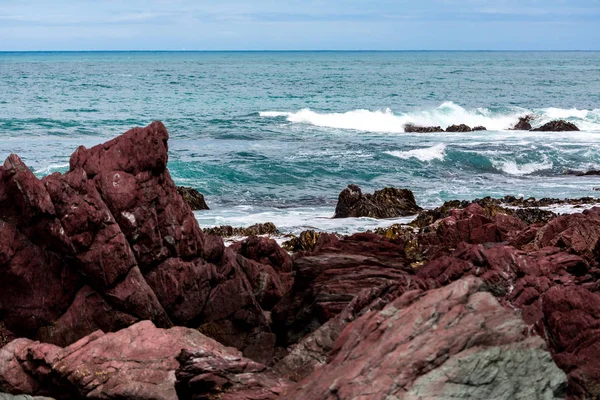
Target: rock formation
{"x":557,"y":126}
{"x":459,"y":128}
{"x":410,"y":128}
{"x":385,"y":203}
{"x":193,"y":198}
{"x":524,"y":123}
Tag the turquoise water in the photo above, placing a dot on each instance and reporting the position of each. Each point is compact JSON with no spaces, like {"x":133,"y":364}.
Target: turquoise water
{"x":276,"y":135}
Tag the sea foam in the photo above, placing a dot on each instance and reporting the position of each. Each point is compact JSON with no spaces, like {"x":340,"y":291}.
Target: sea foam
{"x":448,"y":113}
{"x":437,"y":152}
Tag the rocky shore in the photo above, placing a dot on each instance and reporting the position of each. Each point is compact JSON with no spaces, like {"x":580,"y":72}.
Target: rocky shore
{"x":109,"y":289}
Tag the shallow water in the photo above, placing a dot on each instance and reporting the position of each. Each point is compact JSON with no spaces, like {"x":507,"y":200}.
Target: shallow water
{"x":276,"y":136}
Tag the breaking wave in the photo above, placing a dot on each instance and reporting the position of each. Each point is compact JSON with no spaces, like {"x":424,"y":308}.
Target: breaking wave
{"x":448,"y":113}
{"x":437,"y":152}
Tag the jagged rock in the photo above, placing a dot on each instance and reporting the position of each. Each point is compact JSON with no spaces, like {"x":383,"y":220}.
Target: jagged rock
{"x":453,"y":342}
{"x":557,"y":126}
{"x":410,"y":128}
{"x":479,"y":128}
{"x":326,"y":281}
{"x":524,"y":123}
{"x":204,"y":376}
{"x":193,"y":198}
{"x":385,"y":203}
{"x":459,"y":128}
{"x":309,"y":241}
{"x":312,"y":351}
{"x":110,"y":243}
{"x":135,"y":363}
{"x":257,"y":229}
{"x":572,"y":324}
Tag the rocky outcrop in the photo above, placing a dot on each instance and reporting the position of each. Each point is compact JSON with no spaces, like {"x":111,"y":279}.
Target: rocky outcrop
{"x":205,"y":375}
{"x":110,"y":243}
{"x":557,"y":126}
{"x":328,"y":280}
{"x":459,"y":128}
{"x":524,"y":123}
{"x":193,"y":198}
{"x":229,"y":231}
{"x":479,"y":128}
{"x":309,"y":241}
{"x":385,"y":203}
{"x":453,"y":342}
{"x":135,"y":363}
{"x":410,"y":128}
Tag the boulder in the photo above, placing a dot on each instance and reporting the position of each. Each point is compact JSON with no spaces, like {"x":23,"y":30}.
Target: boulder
{"x":524,"y":123}
{"x":112,"y":242}
{"x":309,"y":241}
{"x":410,"y":128}
{"x":205,"y":375}
{"x":453,"y":342}
{"x":135,"y":363}
{"x":557,"y":126}
{"x":459,"y":128}
{"x":385,"y":203}
{"x":193,"y":198}
{"x":479,"y":128}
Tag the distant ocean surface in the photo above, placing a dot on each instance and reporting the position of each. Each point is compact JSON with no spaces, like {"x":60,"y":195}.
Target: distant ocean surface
{"x":275,"y":136}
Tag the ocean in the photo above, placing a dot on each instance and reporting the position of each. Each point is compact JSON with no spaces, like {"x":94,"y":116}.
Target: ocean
{"x":275,"y":136}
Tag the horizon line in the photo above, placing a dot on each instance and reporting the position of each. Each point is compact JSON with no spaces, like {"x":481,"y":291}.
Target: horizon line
{"x":303,"y":51}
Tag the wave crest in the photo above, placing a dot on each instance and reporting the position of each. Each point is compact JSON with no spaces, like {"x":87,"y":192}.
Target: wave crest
{"x":437,"y":152}
{"x":448,"y":113}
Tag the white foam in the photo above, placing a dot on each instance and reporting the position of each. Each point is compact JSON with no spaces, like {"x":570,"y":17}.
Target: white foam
{"x":448,"y":113}
{"x":51,"y":169}
{"x":437,"y":152}
{"x":512,"y":168}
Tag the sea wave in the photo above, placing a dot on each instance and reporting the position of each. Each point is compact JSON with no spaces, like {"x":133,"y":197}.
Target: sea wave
{"x":448,"y":113}
{"x":511,"y":167}
{"x":436,"y":152}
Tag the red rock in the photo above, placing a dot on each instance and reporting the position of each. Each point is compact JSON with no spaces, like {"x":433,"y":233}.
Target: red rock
{"x":203,"y":375}
{"x":326,"y":281}
{"x":135,"y":363}
{"x":453,"y":342}
{"x":572,"y":325}
{"x":115,"y":231}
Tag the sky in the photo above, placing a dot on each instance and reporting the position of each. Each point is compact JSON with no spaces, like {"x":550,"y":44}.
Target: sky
{"x":299,"y":25}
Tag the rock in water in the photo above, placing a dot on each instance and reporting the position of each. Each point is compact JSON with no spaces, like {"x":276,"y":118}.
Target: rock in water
{"x":110,"y":243}
{"x":524,"y":123}
{"x":193,"y":198}
{"x":410,"y":128}
{"x":479,"y":128}
{"x":557,"y":126}
{"x":453,"y":342}
{"x":459,"y":128}
{"x":385,"y":203}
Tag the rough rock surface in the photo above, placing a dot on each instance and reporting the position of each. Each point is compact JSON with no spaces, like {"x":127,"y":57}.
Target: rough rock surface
{"x":204,"y":375}
{"x":459,"y":128}
{"x":327,"y":281}
{"x":410,"y":128}
{"x":135,"y":363}
{"x":557,"y":126}
{"x":453,"y":342}
{"x":229,"y":231}
{"x":193,"y":198}
{"x":524,"y":123}
{"x":110,"y":243}
{"x":385,"y":203}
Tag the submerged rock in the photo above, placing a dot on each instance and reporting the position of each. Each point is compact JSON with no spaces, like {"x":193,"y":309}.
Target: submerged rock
{"x":557,"y":126}
{"x":193,"y":198}
{"x":459,"y":128}
{"x":410,"y":128}
{"x":385,"y":203}
{"x":453,"y":342}
{"x":524,"y":123}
